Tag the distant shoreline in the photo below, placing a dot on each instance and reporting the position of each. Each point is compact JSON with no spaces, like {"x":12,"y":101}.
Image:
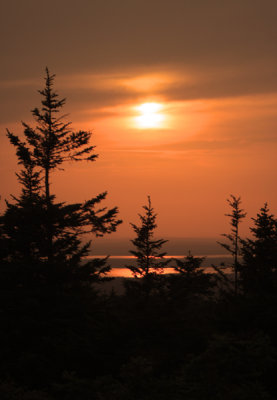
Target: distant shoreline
{"x":119,"y":261}
{"x":180,"y":246}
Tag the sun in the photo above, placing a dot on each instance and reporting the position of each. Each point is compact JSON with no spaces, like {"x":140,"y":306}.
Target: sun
{"x":150,"y":117}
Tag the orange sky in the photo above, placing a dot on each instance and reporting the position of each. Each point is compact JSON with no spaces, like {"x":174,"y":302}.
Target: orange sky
{"x":210,"y":67}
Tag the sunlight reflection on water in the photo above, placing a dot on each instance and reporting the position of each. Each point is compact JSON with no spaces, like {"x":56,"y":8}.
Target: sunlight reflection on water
{"x":118,"y":263}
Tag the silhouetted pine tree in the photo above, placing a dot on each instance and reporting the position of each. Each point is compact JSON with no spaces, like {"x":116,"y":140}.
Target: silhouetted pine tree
{"x":46,"y":147}
{"x":232,"y":247}
{"x":259,"y":268}
{"x":149,"y":258}
{"x":191,"y":279}
{"x":190,"y":266}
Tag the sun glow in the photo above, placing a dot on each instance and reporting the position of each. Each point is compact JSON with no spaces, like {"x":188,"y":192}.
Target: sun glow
{"x":150,"y":116}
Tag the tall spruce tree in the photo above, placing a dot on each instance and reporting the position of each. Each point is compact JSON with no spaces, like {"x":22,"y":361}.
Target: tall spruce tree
{"x":149,"y":258}
{"x":46,"y":147}
{"x":232,"y":246}
{"x":259,"y":267}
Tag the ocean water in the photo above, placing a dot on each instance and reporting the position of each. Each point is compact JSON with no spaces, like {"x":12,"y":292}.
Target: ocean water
{"x":118,"y":263}
{"x":176,"y":247}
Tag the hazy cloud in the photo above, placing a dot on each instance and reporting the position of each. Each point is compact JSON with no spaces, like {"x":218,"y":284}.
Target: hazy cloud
{"x":108,"y":53}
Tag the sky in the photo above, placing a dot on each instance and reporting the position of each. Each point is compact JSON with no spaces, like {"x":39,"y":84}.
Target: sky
{"x":181,"y":98}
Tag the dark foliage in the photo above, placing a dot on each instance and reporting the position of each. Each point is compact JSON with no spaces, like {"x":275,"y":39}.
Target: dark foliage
{"x":191,"y":280}
{"x":259,"y":269}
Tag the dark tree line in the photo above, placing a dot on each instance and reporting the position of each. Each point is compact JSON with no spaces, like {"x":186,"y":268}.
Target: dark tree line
{"x":187,"y":335}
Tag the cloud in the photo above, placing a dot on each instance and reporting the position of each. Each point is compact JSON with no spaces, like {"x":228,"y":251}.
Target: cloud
{"x":92,"y":94}
{"x":95,"y":37}
{"x":129,"y":51}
